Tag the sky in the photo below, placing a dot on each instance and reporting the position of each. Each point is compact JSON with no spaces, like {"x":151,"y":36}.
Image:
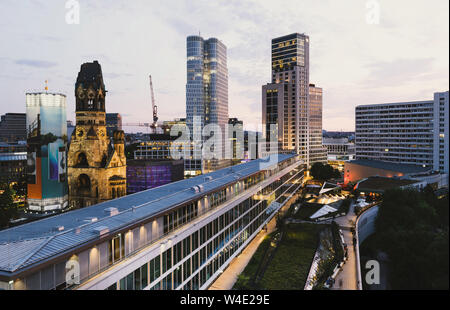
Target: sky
{"x":356,"y":55}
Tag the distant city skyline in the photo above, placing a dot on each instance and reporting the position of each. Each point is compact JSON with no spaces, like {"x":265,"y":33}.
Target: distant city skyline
{"x":402,"y":58}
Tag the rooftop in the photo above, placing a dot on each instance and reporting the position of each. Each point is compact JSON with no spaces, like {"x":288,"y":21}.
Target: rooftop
{"x":30,"y":243}
{"x":403,"y":168}
{"x":380,"y":184}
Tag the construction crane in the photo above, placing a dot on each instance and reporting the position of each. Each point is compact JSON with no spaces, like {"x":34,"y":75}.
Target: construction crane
{"x":153,"y":125}
{"x":154,"y":106}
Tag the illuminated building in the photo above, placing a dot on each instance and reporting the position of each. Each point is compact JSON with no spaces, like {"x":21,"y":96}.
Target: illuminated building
{"x":236,"y":140}
{"x":13,"y":162}
{"x":145,"y":174}
{"x":291,"y":103}
{"x":177,"y":236}
{"x":339,"y":150}
{"x":406,"y":132}
{"x":206,"y":99}
{"x":317,"y":151}
{"x":96,"y":163}
{"x":46,"y":154}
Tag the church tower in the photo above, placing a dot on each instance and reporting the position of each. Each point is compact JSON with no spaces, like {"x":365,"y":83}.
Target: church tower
{"x":96,"y":162}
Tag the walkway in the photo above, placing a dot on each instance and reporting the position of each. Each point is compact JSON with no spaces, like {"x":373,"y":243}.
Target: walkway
{"x":229,"y":277}
{"x":347,"y":278}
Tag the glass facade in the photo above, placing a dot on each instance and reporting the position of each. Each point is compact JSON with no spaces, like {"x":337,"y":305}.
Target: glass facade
{"x":191,"y":262}
{"x":206,"y":97}
{"x":290,"y":78}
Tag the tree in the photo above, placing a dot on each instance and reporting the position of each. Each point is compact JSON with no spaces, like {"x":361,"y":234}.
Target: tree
{"x":410,"y":231}
{"x":8,"y":209}
{"x":324,"y":172}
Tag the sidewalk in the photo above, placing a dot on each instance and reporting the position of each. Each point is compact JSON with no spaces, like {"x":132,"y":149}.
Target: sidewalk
{"x":347,"y":278}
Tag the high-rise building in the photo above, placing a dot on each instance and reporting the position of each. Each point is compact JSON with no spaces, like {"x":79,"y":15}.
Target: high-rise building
{"x":96,"y":165}
{"x":405,"y":132}
{"x":286,"y":100}
{"x":317,"y":151}
{"x":236,"y":146}
{"x":206,"y":99}
{"x":47,"y":147}
{"x":13,"y":127}
{"x":113,"y":123}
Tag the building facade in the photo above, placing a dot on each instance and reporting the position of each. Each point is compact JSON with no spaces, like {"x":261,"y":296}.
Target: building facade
{"x":113,"y":123}
{"x":177,"y":236}
{"x":339,"y":151}
{"x":46,"y":152}
{"x":13,"y":127}
{"x":406,"y":132}
{"x":290,"y":103}
{"x":145,"y":174}
{"x":206,"y":100}
{"x":96,"y":163}
{"x":236,"y":144}
{"x":317,"y":151}
{"x":13,"y":162}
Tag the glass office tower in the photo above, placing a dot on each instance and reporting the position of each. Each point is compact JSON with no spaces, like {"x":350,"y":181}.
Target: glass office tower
{"x":206,"y":99}
{"x":286,"y":100}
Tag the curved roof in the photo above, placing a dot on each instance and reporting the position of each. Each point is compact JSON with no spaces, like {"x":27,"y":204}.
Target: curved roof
{"x":29,"y":243}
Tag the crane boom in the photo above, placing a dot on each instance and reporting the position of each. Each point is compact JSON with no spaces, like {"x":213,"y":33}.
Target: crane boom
{"x":154,"y":107}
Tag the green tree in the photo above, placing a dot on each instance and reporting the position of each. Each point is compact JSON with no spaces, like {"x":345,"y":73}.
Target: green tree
{"x":410,"y":231}
{"x":8,"y":209}
{"x":323,"y":172}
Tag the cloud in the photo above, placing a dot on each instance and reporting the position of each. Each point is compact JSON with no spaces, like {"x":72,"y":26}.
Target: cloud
{"x":112,"y":75}
{"x":36,"y":63}
{"x":397,"y":72}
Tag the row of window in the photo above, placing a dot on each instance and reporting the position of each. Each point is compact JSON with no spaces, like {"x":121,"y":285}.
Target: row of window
{"x":224,"y":228}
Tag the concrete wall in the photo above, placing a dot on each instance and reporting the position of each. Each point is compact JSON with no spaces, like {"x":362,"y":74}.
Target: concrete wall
{"x":365,"y":226}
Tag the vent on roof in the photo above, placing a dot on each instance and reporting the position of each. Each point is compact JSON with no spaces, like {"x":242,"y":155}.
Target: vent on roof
{"x":91,"y":219}
{"x":111,"y":211}
{"x":197,"y":188}
{"x":102,"y":230}
{"x":208,"y":178}
{"x":59,"y":228}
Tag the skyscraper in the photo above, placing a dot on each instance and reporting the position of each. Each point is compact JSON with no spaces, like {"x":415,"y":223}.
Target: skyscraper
{"x":47,"y":145}
{"x":206,"y":99}
{"x":286,"y":100}
{"x":317,"y":151}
